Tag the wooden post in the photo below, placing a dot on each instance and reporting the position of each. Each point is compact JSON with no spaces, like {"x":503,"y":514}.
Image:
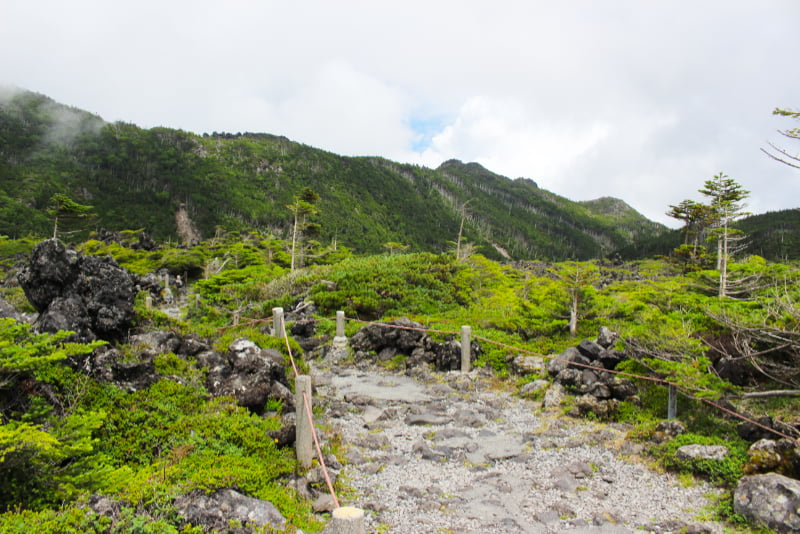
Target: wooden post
{"x":466,"y":341}
{"x":148,"y":302}
{"x":235,"y":318}
{"x":672,"y":403}
{"x":277,"y":322}
{"x":340,"y":324}
{"x":347,"y":520}
{"x":303,"y":439}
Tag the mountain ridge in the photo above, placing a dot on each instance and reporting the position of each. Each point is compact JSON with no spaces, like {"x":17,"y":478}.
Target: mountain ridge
{"x":139,"y":178}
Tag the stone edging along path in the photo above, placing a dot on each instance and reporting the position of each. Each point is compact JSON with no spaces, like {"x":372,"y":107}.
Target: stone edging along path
{"x":453,"y":453}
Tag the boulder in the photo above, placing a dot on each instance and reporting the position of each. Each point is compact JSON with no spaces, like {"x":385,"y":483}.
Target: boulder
{"x":304,"y":332}
{"x":601,"y":408}
{"x":526,"y":365}
{"x":109,"y":364}
{"x":609,"y":359}
{"x":215,"y":511}
{"x":781,"y":456}
{"x":192,"y":345}
{"x":376,"y":337}
{"x":534,"y":388}
{"x":702,"y":452}
{"x":248,"y":374}
{"x":606,"y":338}
{"x":67,"y":313}
{"x":590,"y":349}
{"x":598,"y":390}
{"x":753,"y":432}
{"x":52,"y":267}
{"x":589,"y":377}
{"x":570,"y":378}
{"x":90,"y":295}
{"x":770,"y":499}
{"x":157,"y":342}
{"x":668,"y":429}
{"x":8,"y":311}
{"x":622,"y":388}
{"x":448,"y":355}
{"x":563,"y":360}
{"x":554,"y":396}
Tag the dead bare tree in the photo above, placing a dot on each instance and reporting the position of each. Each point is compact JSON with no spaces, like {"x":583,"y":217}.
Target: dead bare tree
{"x":771,"y":347}
{"x":781,"y":154}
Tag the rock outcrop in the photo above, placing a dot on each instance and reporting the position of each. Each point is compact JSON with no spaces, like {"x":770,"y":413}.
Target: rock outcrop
{"x":89,"y":295}
{"x":382,"y":342}
{"x":215,"y":511}
{"x":250,"y":374}
{"x":779,"y":456}
{"x":771,"y":499}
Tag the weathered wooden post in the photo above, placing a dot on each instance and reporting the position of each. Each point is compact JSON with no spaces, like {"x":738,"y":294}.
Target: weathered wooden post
{"x":340,"y":340}
{"x":235,"y":318}
{"x":303,"y":437}
{"x":148,"y":301}
{"x":672,"y":402}
{"x":466,"y":341}
{"x":340,"y":324}
{"x":277,"y":322}
{"x":347,"y":520}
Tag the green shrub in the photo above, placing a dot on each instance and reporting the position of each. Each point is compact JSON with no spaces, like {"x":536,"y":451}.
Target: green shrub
{"x":46,"y":455}
{"x":377,"y":286}
{"x":725,"y":472}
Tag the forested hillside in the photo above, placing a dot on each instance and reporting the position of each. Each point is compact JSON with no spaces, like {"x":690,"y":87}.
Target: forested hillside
{"x":773,"y":235}
{"x":137,"y":178}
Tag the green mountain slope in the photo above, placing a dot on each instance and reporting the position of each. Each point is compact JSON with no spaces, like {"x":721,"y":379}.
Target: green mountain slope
{"x":145,"y":178}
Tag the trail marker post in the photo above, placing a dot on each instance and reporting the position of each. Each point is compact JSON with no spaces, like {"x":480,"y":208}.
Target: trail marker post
{"x":277,"y":322}
{"x":303,"y":438}
{"x":672,"y":402}
{"x":347,"y":520}
{"x":340,"y":324}
{"x":466,"y":342}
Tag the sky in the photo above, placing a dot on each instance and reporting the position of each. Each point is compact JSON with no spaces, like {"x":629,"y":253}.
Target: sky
{"x":639,"y":100}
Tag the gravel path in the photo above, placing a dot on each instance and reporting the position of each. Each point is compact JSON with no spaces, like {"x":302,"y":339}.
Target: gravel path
{"x":453,"y":453}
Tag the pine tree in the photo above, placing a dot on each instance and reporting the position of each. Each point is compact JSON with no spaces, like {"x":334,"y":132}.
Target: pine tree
{"x":695,"y":216}
{"x":303,"y":207}
{"x":62,"y":208}
{"x":726,"y":205}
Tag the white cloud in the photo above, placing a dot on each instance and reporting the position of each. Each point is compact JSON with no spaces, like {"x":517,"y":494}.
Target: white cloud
{"x":346,"y":111}
{"x":505,"y":137}
{"x":642,"y":101}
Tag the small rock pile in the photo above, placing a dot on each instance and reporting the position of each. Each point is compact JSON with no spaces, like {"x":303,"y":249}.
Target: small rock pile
{"x":583,"y":370}
{"x":381,"y":343}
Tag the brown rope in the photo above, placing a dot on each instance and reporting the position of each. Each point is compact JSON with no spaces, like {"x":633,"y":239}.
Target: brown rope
{"x":310,"y":416}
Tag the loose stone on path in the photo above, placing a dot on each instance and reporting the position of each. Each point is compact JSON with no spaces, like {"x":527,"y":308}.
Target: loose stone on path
{"x":449,"y":453}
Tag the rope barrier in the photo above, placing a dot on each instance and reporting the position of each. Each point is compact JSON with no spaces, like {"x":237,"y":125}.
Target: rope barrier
{"x":310,"y":416}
